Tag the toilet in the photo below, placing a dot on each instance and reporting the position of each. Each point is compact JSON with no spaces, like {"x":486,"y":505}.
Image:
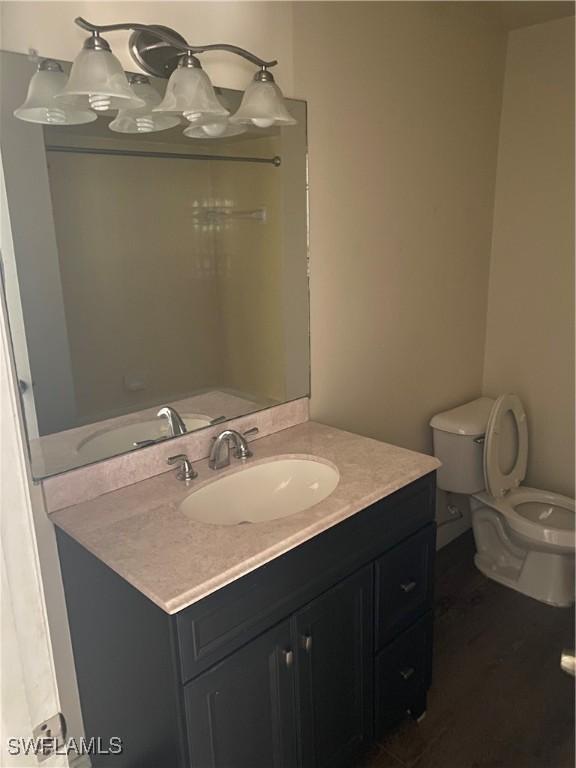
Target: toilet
{"x":524,"y":536}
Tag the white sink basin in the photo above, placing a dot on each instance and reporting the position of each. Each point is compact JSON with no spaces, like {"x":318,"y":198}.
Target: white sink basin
{"x":120,"y":439}
{"x":262,"y":492}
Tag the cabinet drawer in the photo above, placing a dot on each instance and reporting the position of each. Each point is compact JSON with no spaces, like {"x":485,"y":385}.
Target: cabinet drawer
{"x":403,"y":671}
{"x":404,"y":582}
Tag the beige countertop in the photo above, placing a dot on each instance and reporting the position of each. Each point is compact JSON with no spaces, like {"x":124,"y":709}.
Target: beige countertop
{"x":140,"y":533}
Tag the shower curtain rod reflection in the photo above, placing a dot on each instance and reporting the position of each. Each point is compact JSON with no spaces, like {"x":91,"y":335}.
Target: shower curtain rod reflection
{"x":276,"y":160}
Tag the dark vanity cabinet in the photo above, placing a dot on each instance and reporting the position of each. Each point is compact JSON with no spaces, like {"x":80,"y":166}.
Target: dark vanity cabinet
{"x":248,"y":710}
{"x":303,"y":662}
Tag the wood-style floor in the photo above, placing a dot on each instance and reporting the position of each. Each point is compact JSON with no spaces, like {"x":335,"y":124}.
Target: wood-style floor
{"x":499,"y":698}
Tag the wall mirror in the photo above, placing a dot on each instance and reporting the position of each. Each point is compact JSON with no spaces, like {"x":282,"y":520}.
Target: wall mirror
{"x":144,"y":270}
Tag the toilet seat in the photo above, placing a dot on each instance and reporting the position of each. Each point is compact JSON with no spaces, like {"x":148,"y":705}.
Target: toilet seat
{"x":546,"y":519}
{"x":498,"y":483}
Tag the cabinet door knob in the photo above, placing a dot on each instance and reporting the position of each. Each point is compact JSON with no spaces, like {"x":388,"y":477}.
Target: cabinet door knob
{"x":307,"y":643}
{"x":408,"y":586}
{"x":407,"y":673}
{"x":289,"y":658}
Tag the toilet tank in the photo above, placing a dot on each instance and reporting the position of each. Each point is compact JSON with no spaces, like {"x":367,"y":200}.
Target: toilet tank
{"x":458,"y":443}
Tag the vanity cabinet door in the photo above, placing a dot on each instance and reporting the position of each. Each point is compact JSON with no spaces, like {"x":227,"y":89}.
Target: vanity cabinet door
{"x":241,"y":713}
{"x":334,"y":639}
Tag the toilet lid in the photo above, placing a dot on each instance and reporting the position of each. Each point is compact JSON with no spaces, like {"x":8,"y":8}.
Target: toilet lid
{"x":498,"y":482}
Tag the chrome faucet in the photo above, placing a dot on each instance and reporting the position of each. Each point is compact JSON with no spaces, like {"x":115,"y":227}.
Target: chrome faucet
{"x":176,"y":425}
{"x":186,"y":470}
{"x":220,"y":452}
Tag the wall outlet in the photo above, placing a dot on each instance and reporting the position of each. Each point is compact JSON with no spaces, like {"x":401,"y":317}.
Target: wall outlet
{"x":50,"y":734}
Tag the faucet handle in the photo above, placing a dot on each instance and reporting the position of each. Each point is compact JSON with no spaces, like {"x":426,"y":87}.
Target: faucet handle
{"x":242,"y":451}
{"x":143,"y":443}
{"x":186,"y":472}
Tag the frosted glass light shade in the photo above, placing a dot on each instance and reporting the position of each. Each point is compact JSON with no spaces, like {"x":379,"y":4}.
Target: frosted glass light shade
{"x":143,"y":120}
{"x":190,"y":93}
{"x":98,"y":80}
{"x":40,"y":105}
{"x":213,"y":129}
{"x":263,"y":105}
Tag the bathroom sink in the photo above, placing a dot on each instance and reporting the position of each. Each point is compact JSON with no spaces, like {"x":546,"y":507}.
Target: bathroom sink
{"x":120,"y":439}
{"x":262,"y":492}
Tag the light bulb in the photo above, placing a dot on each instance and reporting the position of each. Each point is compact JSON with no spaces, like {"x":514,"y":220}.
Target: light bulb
{"x":214,"y":129}
{"x":261,"y":122}
{"x":145,"y":124}
{"x":55,"y":116}
{"x":98,"y":102}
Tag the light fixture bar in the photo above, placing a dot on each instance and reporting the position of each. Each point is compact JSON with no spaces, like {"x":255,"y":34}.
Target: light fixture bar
{"x":172,"y":39}
{"x":276,"y":160}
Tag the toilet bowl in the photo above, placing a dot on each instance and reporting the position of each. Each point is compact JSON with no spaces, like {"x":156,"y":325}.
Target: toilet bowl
{"x":526,"y":541}
{"x":524,"y":536}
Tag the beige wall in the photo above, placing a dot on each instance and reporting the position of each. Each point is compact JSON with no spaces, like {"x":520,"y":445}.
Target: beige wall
{"x":404,"y":104}
{"x":530,"y":332}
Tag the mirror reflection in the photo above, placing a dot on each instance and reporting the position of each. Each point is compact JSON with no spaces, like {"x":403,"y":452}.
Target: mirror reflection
{"x":163,"y":284}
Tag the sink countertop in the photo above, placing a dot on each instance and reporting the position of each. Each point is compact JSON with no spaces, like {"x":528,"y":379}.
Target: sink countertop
{"x":139,"y":532}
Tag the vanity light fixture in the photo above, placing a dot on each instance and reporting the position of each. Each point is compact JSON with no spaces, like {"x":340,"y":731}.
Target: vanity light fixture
{"x":143,"y":119}
{"x":97,"y":82}
{"x":40,"y":106}
{"x":214,"y":127}
{"x":97,"y":79}
{"x":190,"y":93}
{"x":263,"y":104}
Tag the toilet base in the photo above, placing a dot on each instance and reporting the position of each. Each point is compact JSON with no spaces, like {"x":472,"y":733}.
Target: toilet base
{"x":543,"y":575}
{"x":560,"y":598}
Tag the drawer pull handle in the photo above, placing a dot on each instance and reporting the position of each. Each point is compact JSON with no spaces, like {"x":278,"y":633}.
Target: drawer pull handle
{"x":307,"y":643}
{"x":289,"y":658}
{"x":408,"y":586}
{"x":407,"y":673}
